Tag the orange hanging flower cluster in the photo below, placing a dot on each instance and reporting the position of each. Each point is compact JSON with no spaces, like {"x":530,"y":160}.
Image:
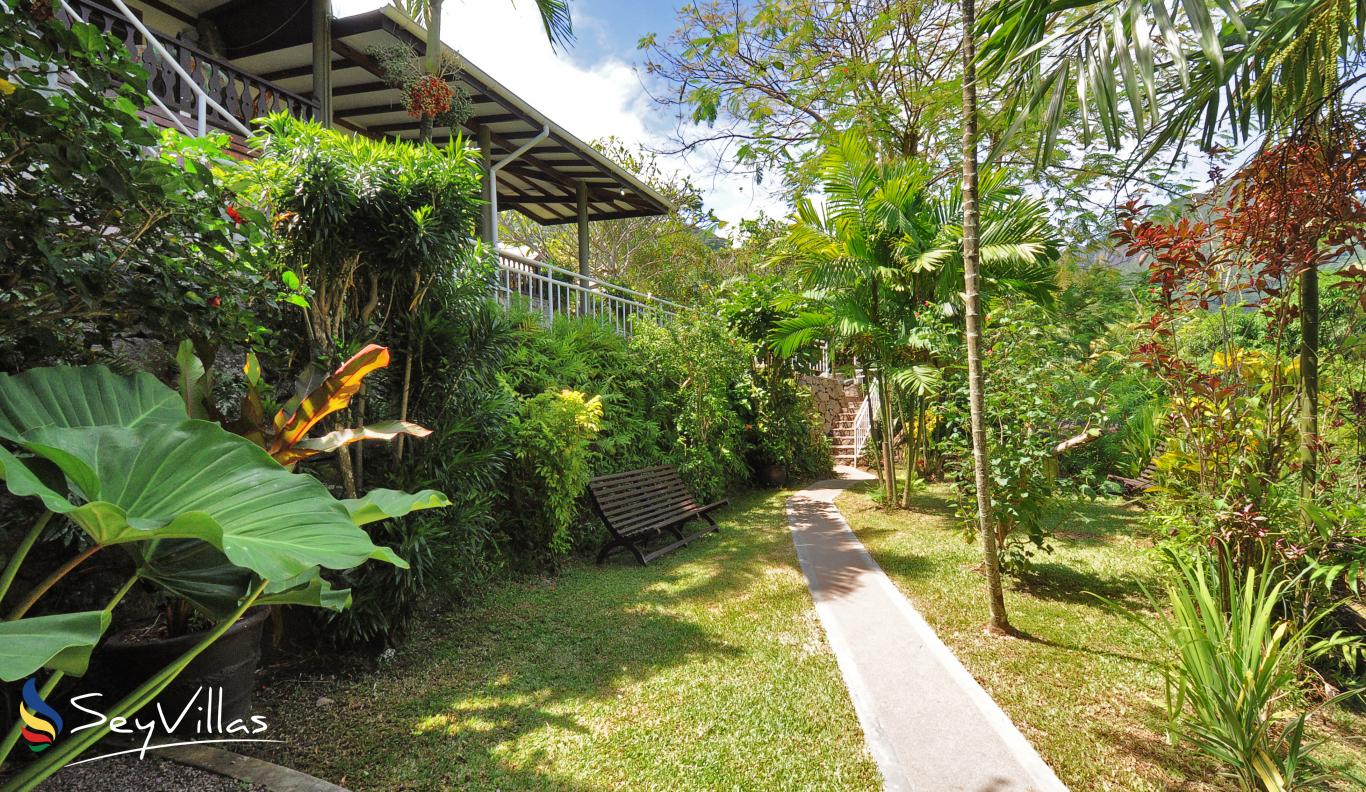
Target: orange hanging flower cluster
{"x":428,"y":96}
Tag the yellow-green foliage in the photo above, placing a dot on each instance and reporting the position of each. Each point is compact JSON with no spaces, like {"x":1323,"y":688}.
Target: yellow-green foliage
{"x":553,"y":436}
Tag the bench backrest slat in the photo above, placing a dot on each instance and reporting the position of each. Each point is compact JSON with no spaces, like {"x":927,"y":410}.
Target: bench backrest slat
{"x":627,"y":498}
{"x":641,"y":500}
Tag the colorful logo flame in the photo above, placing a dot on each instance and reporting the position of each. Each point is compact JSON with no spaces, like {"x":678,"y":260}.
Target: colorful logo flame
{"x":42,"y":724}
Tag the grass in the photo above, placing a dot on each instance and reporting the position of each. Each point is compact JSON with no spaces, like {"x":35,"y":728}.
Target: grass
{"x":706,"y":670}
{"x":1081,"y":684}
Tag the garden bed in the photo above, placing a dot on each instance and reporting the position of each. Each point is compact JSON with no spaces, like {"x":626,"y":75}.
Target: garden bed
{"x":706,"y":670}
{"x":1081,"y":684}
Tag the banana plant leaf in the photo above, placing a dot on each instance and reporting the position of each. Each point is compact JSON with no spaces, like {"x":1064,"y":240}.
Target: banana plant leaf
{"x":62,"y":642}
{"x":381,"y":504}
{"x":193,"y":480}
{"x":66,"y":396}
{"x":384,"y":431}
{"x":203,"y":576}
{"x":300,"y":415}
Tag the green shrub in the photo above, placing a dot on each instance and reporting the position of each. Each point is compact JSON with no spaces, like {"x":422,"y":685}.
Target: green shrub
{"x":552,"y":439}
{"x":786,"y":428}
{"x":114,"y":237}
{"x":1233,"y":670}
{"x":464,"y":340}
{"x":702,"y":397}
{"x":677,"y":394}
{"x":589,"y":355}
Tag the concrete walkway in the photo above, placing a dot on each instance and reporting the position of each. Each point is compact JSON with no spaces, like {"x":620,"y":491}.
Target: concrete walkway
{"x":927,"y":722}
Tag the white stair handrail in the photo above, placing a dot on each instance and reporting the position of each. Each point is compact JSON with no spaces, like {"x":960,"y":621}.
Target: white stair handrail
{"x":175,"y":117}
{"x":863,"y":426}
{"x":202,"y":97}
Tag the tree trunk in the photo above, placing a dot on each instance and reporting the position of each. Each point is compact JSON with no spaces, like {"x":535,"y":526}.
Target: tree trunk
{"x":358,"y":461}
{"x":403,"y":402}
{"x":433,"y":64}
{"x":346,"y":471}
{"x":1309,"y":383}
{"x":886,"y":467}
{"x":888,"y":461}
{"x":912,"y":437}
{"x":981,"y":462}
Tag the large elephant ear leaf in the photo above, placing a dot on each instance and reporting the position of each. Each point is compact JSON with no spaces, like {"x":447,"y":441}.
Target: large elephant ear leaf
{"x":314,"y":592}
{"x":61,"y":642}
{"x":202,"y":575}
{"x":193,"y":480}
{"x":66,"y":396}
{"x":197,"y":572}
{"x":22,"y":481}
{"x":382,"y":504}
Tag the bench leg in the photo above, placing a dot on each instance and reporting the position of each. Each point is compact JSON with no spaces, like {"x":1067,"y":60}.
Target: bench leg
{"x":607,"y":548}
{"x":613,"y":544}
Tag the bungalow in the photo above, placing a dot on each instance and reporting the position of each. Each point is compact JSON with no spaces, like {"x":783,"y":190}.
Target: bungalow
{"x":216,"y":64}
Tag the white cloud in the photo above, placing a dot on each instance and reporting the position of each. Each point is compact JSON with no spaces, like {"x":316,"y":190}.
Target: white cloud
{"x":589,"y":99}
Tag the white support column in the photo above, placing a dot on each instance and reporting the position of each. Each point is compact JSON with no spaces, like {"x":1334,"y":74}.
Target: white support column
{"x":486,"y":218}
{"x":584,"y":268}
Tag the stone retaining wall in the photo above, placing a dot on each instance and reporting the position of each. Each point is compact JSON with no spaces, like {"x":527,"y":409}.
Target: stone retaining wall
{"x":829,"y":396}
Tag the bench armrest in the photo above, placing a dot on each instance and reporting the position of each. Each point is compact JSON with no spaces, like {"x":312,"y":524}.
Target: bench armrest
{"x":713,"y":506}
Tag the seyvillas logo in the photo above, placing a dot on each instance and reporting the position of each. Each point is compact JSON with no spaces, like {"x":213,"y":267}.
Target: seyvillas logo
{"x":42,"y":724}
{"x":203,"y":714}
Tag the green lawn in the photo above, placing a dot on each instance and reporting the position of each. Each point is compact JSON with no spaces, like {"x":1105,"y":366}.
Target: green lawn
{"x":1080,"y":685}
{"x":706,"y":670}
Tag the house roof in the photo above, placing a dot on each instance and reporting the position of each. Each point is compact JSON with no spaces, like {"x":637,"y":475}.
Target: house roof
{"x":272,"y":39}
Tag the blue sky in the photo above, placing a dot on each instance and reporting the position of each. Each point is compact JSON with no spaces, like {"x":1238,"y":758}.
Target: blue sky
{"x":593,"y":89}
{"x":614,"y":26}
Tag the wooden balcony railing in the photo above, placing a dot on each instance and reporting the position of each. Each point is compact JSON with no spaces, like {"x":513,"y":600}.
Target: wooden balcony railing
{"x":243,"y":95}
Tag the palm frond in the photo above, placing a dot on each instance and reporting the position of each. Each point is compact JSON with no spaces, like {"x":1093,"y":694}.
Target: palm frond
{"x":1170,"y":73}
{"x":920,"y":379}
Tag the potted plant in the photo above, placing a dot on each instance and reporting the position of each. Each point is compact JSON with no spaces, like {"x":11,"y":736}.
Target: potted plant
{"x":228,"y":668}
{"x":769,"y":460}
{"x":201,"y":513}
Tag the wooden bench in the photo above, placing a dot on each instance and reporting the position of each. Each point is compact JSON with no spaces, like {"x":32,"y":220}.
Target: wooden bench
{"x":1140,"y":485}
{"x":641,"y":504}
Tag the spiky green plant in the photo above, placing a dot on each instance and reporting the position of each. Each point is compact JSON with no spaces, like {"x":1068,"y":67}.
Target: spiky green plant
{"x":1234,"y":669}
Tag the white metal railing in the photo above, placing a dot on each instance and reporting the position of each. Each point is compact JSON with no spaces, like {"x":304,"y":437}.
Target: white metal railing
{"x":825,"y":367}
{"x":863,"y":421}
{"x":554,"y":291}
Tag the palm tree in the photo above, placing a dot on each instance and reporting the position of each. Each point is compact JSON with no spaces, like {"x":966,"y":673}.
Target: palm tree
{"x":555,"y":18}
{"x":884,"y":243}
{"x":846,"y":250}
{"x":981,"y":460}
{"x":1265,"y":67}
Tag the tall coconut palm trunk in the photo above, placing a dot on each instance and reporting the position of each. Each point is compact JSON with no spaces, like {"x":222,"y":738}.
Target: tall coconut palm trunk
{"x":981,"y":462}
